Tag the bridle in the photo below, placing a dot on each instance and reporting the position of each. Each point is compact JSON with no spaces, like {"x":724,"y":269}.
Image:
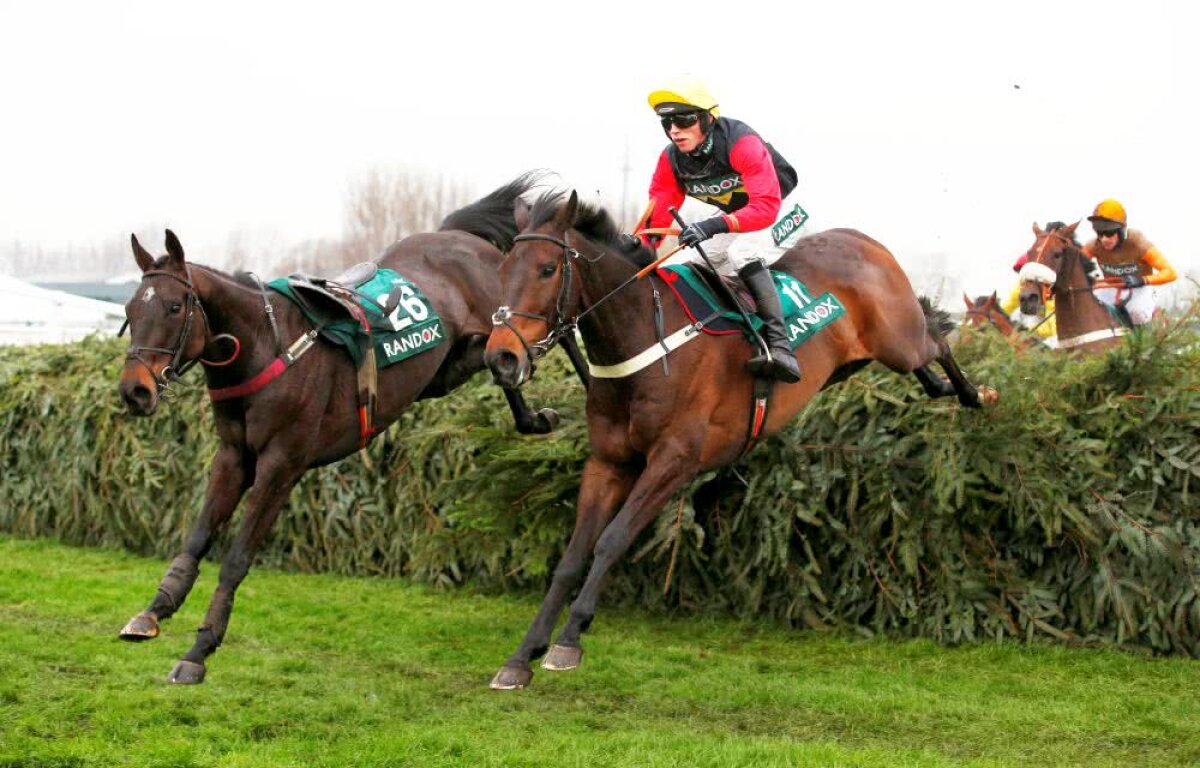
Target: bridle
{"x":1070,"y":249}
{"x":177,"y":367}
{"x":561,"y":325}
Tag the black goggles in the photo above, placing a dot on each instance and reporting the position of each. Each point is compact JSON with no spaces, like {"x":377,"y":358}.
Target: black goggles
{"x":681,"y":120}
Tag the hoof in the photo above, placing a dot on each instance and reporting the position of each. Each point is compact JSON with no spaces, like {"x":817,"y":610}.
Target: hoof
{"x":988,"y":396}
{"x":187,"y":673}
{"x":144,"y":626}
{"x":512,"y":677}
{"x":562,"y":657}
{"x":548,"y":420}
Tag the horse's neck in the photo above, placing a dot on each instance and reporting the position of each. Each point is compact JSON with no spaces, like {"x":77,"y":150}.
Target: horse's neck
{"x":623,"y":325}
{"x":1077,"y":309}
{"x":240,"y":311}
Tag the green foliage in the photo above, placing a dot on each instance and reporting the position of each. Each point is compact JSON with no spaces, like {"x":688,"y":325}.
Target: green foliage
{"x":322,"y":671}
{"x":1068,"y":510}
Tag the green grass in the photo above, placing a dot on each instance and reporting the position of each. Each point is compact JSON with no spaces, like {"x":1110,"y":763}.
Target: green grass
{"x":324,"y":671}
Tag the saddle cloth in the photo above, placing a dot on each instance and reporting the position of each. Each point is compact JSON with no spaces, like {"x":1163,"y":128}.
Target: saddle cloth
{"x":367,"y":306}
{"x":803,"y":314}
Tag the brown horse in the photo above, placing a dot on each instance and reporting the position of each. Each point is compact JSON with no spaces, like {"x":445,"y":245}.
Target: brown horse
{"x":309,"y":416}
{"x":1057,"y":266}
{"x":983,"y":311}
{"x":651,"y":433}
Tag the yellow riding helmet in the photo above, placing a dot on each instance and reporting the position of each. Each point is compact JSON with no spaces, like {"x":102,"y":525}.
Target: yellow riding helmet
{"x":1109,"y":210}
{"x":685,"y":89}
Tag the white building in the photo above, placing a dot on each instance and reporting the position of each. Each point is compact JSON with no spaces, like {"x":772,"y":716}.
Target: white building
{"x":33,"y":315}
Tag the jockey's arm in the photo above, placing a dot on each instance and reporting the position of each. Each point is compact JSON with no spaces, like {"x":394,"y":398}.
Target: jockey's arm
{"x":1163,"y":271}
{"x":750,"y":158}
{"x":665,"y":193}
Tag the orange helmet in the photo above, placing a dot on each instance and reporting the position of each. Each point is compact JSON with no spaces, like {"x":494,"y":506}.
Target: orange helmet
{"x":1108,"y":212}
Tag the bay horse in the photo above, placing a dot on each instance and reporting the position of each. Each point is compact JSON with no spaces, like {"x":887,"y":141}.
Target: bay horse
{"x":986,"y":311}
{"x":651,"y":433}
{"x":1058,"y":266}
{"x":983,"y":311}
{"x":309,"y":416}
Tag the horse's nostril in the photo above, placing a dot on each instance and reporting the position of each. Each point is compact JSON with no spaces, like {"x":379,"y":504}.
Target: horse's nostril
{"x":137,"y":397}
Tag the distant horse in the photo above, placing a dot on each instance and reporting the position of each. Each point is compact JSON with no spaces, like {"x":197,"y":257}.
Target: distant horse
{"x":649,"y":433}
{"x":983,"y":311}
{"x":1057,"y":266}
{"x":986,"y":311}
{"x":272,"y":431}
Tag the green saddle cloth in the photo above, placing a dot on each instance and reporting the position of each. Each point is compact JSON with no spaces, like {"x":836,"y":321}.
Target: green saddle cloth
{"x":411,"y":328}
{"x":803,"y":314}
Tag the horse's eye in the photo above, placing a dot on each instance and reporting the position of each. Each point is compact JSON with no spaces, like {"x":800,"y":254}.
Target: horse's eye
{"x":175,"y":308}
{"x":548,"y":270}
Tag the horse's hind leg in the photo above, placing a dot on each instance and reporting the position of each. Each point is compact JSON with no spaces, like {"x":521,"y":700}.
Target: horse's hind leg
{"x":274,"y":478}
{"x":968,"y":393}
{"x":935,"y":386}
{"x":227,"y":481}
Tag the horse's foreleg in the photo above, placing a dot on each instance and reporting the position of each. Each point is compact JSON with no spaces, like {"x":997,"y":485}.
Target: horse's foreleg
{"x":603,"y":488}
{"x":666,"y":472}
{"x":274,"y":479}
{"x":227,"y":481}
{"x":528,"y":422}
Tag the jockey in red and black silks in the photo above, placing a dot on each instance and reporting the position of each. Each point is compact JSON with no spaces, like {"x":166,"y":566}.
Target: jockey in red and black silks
{"x":733,"y":169}
{"x":726,"y":164}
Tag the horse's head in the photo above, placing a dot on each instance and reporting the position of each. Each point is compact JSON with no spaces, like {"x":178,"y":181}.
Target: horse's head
{"x":1051,"y":256}
{"x":165,"y":337}
{"x":982,"y":310}
{"x":537,"y":287}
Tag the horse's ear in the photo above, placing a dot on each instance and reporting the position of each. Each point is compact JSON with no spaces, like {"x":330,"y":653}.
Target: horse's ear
{"x":141,"y":255}
{"x":967,"y":301}
{"x":521,"y":211}
{"x":995,"y":297}
{"x":565,"y":218}
{"x":1070,"y":231}
{"x":174,"y":248}
{"x":1037,"y":230}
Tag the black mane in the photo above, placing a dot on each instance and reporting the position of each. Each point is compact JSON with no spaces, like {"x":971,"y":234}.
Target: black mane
{"x":593,"y":222}
{"x":491,"y":217}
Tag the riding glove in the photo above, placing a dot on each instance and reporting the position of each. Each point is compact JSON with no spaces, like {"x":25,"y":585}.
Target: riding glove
{"x":1134,"y":281}
{"x":699,"y":231}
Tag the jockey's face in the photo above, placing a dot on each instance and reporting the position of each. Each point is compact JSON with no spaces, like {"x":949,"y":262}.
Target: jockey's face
{"x":686,"y":139}
{"x":1108,"y":240}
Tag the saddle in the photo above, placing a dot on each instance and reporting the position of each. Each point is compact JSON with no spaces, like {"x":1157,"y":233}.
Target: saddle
{"x":714,"y":280}
{"x":332,"y":300}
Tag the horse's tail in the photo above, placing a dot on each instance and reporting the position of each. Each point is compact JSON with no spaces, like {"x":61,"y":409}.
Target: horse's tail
{"x":491,"y":216}
{"x":938,"y":321}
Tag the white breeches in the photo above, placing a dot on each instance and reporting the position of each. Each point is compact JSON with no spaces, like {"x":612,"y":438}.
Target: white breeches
{"x":1140,"y":305}
{"x":732,"y":251}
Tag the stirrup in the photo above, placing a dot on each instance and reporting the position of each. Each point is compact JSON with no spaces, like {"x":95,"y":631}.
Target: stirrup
{"x":773,"y":368}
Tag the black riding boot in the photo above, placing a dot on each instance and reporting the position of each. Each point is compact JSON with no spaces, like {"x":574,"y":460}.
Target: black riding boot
{"x":781,"y":365}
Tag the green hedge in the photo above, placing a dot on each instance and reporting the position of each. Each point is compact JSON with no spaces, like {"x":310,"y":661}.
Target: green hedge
{"x":1069,"y":510}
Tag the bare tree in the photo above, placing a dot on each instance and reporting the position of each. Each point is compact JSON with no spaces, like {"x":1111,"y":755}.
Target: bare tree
{"x":385,"y":206}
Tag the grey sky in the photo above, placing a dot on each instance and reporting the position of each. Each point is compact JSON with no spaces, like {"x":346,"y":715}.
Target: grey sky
{"x":935,"y":127}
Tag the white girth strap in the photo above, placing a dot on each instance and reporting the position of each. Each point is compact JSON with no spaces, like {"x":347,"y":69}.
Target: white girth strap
{"x":1087,"y":338}
{"x":657,"y":352}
